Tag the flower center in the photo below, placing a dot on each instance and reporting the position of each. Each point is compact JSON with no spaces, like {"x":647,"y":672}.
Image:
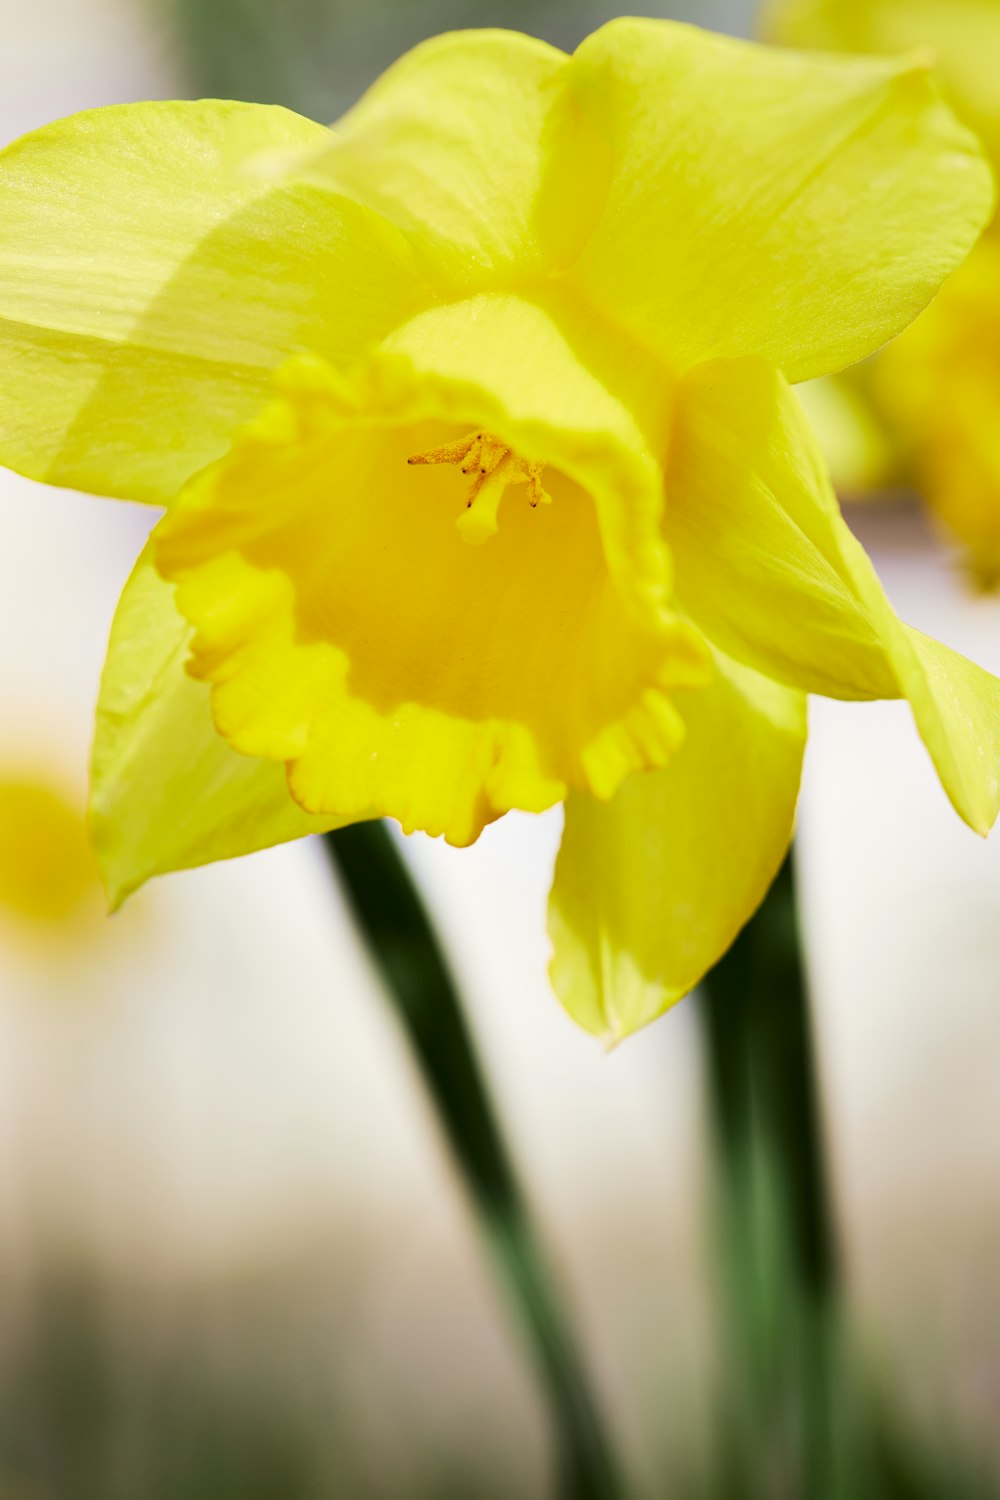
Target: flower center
{"x":493,"y":466}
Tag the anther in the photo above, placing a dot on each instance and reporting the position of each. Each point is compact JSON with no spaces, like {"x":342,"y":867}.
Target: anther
{"x":494,"y":466}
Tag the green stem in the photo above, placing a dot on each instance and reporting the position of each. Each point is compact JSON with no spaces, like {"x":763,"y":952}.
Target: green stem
{"x":778,"y":1244}
{"x":402,"y":943}
{"x":762,"y":1071}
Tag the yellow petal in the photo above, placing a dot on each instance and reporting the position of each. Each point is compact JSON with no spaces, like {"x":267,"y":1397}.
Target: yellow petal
{"x":963,"y":34}
{"x":349,"y":629}
{"x":472,"y":146}
{"x":651,"y":888}
{"x":167,"y":792}
{"x":956,"y":706}
{"x":769,"y":570}
{"x":149,"y":285}
{"x":798,"y":207}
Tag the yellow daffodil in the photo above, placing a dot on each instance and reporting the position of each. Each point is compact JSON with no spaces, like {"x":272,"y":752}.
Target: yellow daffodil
{"x":936,"y":390}
{"x":487,"y":487}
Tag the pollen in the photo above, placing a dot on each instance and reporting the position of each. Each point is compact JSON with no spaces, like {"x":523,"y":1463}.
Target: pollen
{"x":492,"y":466}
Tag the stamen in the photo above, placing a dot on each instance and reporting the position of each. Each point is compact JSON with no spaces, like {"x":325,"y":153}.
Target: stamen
{"x":536,"y":490}
{"x":451,"y":453}
{"x":494,"y":466}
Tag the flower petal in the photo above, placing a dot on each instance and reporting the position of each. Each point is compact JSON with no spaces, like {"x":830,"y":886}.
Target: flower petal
{"x":167,"y":792}
{"x":770,"y":571}
{"x":472,"y":146}
{"x":651,"y":888}
{"x":149,"y":284}
{"x":349,"y":629}
{"x":799,"y":207}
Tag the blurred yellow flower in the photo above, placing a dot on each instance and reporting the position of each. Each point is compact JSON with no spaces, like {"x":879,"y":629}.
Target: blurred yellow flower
{"x":487,"y":484}
{"x":860,"y":455}
{"x":47,"y":870}
{"x":937,"y":388}
{"x":963,"y":35}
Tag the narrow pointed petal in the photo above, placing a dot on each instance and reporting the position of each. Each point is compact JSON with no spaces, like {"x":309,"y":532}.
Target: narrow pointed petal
{"x":800,"y":207}
{"x":771,"y":572}
{"x":651,"y":888}
{"x":956,"y":706}
{"x":150,"y":283}
{"x":167,"y":792}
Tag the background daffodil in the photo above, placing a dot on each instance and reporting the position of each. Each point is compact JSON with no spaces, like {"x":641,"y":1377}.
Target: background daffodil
{"x":47,"y":870}
{"x":487,"y":485}
{"x":936,"y":390}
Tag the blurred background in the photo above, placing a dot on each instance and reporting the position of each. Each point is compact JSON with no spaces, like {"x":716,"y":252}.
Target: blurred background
{"x":235,"y":1258}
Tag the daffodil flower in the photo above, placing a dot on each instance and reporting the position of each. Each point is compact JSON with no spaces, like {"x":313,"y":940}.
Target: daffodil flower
{"x":487,"y":487}
{"x":936,"y":390}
